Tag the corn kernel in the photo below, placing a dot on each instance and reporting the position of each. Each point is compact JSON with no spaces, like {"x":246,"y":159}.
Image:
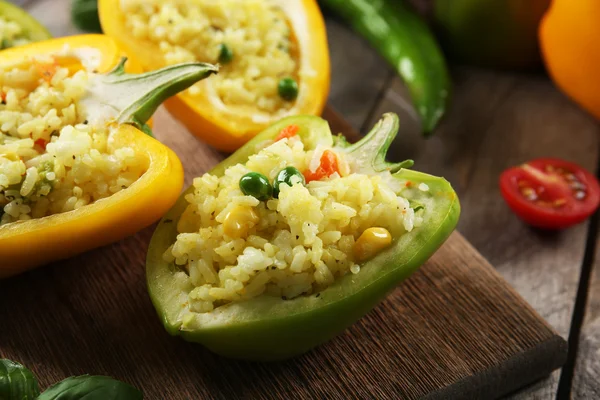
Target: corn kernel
{"x":239,"y":221}
{"x":371,"y":242}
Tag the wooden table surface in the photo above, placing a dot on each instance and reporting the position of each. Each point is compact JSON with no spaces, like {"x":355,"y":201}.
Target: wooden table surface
{"x":497,"y":120}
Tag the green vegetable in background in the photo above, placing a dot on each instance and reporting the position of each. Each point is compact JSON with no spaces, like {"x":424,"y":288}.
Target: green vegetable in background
{"x":271,"y":328}
{"x":84,"y":14}
{"x":403,"y":38}
{"x":32,"y":29}
{"x":490,"y":33}
{"x":19,"y":383}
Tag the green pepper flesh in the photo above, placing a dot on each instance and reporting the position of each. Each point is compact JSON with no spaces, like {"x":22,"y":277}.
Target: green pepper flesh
{"x":267,"y":328}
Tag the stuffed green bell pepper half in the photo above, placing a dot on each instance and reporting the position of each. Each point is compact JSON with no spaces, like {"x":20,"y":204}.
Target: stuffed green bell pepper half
{"x":294,"y":238}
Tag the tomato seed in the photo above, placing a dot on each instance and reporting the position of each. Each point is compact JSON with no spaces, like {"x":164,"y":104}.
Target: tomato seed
{"x":577,"y":185}
{"x":580,"y":195}
{"x":529,"y":193}
{"x":560,"y":202}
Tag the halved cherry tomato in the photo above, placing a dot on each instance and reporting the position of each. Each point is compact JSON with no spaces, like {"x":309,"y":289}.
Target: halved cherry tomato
{"x":328,"y":166}
{"x":287,"y":132}
{"x":550,"y":193}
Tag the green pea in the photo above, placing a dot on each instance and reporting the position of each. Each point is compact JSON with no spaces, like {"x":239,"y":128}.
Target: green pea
{"x":285,"y":176}
{"x":288,"y":89}
{"x":256,"y":185}
{"x":225,"y":54}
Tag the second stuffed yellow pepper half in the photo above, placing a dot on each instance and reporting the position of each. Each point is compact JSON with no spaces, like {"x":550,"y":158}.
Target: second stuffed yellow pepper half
{"x":77,"y":169}
{"x":273,"y":58}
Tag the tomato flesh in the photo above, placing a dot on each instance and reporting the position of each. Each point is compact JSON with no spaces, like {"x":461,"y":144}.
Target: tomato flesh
{"x":550,"y":193}
{"x":328,"y":165}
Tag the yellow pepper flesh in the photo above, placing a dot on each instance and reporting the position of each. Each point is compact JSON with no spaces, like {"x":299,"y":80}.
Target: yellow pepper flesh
{"x":27,"y":244}
{"x":228,"y":130}
{"x":569,"y":36}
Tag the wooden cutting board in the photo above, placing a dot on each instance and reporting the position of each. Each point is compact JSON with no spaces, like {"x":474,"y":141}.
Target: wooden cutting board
{"x":454,"y":330}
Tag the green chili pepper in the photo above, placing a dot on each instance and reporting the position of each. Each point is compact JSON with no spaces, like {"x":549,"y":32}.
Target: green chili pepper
{"x":271,"y":328}
{"x":256,"y":185}
{"x":288,"y":89}
{"x":225,"y":54}
{"x":32,"y":29}
{"x":285,"y":176}
{"x":84,"y":14}
{"x":406,"y":42}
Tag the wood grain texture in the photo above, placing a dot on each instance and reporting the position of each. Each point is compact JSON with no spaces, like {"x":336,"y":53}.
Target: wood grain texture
{"x":498,"y":120}
{"x":586,"y":382}
{"x":358,"y":76}
{"x":54,"y":15}
{"x":454,"y":330}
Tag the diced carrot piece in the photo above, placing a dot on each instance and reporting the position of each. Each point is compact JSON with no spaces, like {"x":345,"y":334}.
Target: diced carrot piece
{"x":41,"y":142}
{"x":46,"y":70}
{"x":287,"y":132}
{"x":328,"y":166}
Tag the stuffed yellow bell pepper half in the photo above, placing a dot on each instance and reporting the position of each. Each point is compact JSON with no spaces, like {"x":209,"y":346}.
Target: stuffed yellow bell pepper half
{"x":76,"y":169}
{"x":273,"y":57}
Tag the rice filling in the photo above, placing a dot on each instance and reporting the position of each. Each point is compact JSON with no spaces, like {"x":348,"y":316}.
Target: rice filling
{"x":296,"y":244}
{"x":51,"y":159}
{"x":259,"y":45}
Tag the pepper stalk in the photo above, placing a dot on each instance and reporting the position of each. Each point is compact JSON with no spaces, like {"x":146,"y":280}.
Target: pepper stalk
{"x":133,"y":98}
{"x":369,"y":153}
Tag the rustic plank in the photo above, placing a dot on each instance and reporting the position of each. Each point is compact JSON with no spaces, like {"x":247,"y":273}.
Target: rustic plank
{"x":358,"y":76}
{"x":55,"y":15}
{"x":498,"y":120}
{"x":454,"y":330}
{"x":586,"y":382}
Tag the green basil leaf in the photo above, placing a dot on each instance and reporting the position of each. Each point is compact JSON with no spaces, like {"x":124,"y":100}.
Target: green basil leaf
{"x":17,"y":382}
{"x":88,"y":387}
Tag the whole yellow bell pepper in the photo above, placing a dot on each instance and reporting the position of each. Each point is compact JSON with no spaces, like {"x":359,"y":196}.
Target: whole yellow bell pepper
{"x":570,"y":40}
{"x":208,"y":118}
{"x":125,"y":101}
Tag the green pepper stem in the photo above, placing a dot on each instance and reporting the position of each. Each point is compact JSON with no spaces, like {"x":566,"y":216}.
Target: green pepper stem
{"x":133,"y":98}
{"x":370,"y":152}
